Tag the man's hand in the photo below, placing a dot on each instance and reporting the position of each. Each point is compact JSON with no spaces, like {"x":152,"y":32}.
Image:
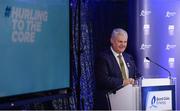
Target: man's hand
{"x":128,"y":81}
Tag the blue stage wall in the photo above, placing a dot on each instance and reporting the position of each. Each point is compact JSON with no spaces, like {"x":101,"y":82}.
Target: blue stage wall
{"x":156,"y":34}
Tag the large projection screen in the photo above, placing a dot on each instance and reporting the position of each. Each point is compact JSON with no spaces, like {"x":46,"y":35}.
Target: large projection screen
{"x":34,"y":46}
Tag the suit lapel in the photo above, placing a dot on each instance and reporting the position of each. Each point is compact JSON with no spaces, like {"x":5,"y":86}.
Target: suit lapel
{"x":128,"y":63}
{"x":114,"y":62}
{"x":126,"y":60}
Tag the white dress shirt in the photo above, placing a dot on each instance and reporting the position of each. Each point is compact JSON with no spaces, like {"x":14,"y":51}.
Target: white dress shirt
{"x":117,"y":59}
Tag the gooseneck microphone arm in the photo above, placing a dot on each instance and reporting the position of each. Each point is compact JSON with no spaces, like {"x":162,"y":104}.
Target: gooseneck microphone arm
{"x":160,"y":66}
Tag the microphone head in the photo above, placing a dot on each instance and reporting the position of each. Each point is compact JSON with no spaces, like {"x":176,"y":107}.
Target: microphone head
{"x":147,"y":58}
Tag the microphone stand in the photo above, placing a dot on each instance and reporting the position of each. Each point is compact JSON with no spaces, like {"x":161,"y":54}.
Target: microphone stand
{"x":170,"y":75}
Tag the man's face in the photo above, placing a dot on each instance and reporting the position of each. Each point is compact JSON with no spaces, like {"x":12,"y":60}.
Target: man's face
{"x":119,"y":43}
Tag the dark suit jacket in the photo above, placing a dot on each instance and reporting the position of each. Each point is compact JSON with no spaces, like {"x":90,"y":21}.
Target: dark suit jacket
{"x":108,"y":76}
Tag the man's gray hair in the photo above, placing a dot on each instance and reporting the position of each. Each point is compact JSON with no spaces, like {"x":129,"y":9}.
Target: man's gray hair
{"x":119,"y":31}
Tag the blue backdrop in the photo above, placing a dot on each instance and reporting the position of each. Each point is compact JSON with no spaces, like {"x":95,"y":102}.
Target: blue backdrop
{"x":155,"y":31}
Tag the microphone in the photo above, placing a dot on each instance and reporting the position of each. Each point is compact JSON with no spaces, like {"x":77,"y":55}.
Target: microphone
{"x":160,"y":66}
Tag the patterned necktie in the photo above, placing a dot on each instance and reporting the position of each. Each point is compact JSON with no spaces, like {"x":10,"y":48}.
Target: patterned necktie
{"x":122,"y":67}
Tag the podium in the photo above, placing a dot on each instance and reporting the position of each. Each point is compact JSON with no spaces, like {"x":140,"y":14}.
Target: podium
{"x":149,"y":94}
{"x":126,"y":98}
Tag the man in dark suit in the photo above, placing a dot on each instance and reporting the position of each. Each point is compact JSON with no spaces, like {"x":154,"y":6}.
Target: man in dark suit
{"x":114,"y":69}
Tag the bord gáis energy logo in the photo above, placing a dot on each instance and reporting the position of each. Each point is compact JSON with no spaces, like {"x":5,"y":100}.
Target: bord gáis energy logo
{"x":153,"y":102}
